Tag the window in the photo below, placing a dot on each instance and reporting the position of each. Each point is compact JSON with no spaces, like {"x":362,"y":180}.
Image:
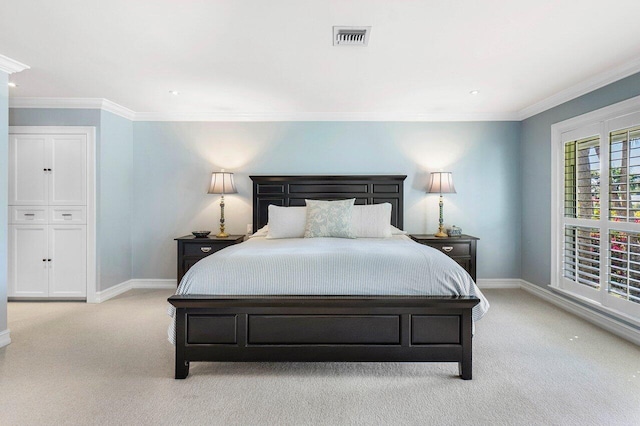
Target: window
{"x":582,"y":255}
{"x":582,"y":178}
{"x":624,"y":267}
{"x":596,"y":208}
{"x":624,"y":175}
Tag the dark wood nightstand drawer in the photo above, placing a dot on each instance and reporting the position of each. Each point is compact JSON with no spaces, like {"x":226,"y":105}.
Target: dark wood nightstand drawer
{"x":462,"y":249}
{"x":191,"y":249}
{"x":204,"y":249}
{"x":452,"y":249}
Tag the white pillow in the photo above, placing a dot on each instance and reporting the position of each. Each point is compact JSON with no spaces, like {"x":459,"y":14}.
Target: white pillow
{"x":286,"y":222}
{"x":367,"y":222}
{"x":330,"y":219}
{"x":396,"y":231}
{"x":262,"y":232}
{"x":372,"y":220}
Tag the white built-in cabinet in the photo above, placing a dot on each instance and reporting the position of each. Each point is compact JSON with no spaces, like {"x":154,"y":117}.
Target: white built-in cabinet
{"x":47,"y":215}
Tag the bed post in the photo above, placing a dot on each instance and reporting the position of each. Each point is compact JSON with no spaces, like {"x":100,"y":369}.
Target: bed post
{"x":182,"y":366}
{"x":464,"y":367}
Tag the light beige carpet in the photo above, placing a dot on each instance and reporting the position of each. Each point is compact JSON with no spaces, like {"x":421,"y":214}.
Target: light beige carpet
{"x":74,"y":363}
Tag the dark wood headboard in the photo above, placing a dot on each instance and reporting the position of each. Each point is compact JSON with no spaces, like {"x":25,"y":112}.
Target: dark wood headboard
{"x":289,"y":191}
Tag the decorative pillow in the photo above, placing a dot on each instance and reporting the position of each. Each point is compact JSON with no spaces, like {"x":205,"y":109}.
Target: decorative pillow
{"x":372,"y":221}
{"x":286,"y":222}
{"x":330,"y":219}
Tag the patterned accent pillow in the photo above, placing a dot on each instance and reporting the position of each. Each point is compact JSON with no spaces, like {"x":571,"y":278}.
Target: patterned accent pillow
{"x":329,"y":219}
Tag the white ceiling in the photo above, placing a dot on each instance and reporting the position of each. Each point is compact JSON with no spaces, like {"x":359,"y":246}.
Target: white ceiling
{"x":276,"y":57}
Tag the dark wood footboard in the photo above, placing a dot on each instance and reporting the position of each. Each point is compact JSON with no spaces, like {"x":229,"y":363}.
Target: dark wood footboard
{"x":324,"y":328}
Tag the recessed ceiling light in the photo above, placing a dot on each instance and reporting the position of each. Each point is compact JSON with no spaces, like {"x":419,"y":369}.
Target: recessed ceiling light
{"x":12,"y":84}
{"x":174,"y":92}
{"x":474,"y":92}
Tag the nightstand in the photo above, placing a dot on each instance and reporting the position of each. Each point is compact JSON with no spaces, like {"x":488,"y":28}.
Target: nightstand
{"x":192,"y":249}
{"x":462,"y":249}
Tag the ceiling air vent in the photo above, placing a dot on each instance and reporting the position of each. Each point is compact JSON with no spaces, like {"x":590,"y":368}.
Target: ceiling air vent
{"x":351,"y":36}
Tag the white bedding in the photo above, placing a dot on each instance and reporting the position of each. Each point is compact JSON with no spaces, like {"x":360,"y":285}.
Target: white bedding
{"x":330,"y":266}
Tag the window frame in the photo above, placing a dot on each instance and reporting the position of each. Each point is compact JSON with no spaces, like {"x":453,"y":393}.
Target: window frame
{"x":600,"y":123}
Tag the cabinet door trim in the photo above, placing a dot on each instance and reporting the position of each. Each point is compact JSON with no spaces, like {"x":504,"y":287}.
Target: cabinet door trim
{"x":59,"y":258}
{"x":90,"y":133}
{"x":35,"y":178}
{"x":36,"y":256}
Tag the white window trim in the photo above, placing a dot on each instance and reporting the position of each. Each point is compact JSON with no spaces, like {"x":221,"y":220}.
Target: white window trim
{"x":606,"y":119}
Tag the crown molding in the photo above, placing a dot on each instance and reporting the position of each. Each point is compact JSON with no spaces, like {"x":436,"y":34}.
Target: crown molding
{"x":11,"y":66}
{"x":323,"y":116}
{"x":582,"y":88}
{"x":73,"y":103}
{"x":107,"y":105}
{"x":118,"y":109}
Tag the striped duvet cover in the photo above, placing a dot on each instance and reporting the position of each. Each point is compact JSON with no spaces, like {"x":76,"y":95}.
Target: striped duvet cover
{"x":330,"y":266}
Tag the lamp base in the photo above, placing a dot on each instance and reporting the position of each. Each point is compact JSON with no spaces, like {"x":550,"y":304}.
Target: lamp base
{"x":440,"y":233}
{"x":222,"y":235}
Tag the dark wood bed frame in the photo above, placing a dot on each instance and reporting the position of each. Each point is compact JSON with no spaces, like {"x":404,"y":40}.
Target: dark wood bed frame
{"x":324,"y":328}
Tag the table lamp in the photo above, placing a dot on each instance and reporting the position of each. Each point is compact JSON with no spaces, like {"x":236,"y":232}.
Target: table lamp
{"x":222,"y":183}
{"x":441,"y":183}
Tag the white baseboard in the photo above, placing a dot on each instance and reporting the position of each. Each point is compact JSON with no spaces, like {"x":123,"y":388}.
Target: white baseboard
{"x":603,"y":321}
{"x":123,"y":287}
{"x":485,"y":283}
{"x":5,"y":337}
{"x":112,"y":292}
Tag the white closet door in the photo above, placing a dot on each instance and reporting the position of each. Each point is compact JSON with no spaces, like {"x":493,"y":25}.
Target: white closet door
{"x":68,"y":176}
{"x":68,"y":266}
{"x":28,"y":261}
{"x":27,"y":170}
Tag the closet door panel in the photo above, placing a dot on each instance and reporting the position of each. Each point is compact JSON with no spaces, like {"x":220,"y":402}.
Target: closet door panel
{"x":28,"y":261}
{"x":68,"y":266}
{"x":68,"y":176}
{"x":28,"y":173}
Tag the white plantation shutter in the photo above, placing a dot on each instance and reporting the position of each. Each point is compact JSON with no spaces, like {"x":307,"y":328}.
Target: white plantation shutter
{"x":624,"y":265}
{"x":624,"y":175}
{"x":582,"y":178}
{"x":581,"y":239}
{"x":582,"y":255}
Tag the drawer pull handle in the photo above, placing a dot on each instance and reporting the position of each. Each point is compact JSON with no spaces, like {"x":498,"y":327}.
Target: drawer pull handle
{"x":66,"y":214}
{"x":205,"y":249}
{"x":447,"y":248}
{"x":29,"y":214}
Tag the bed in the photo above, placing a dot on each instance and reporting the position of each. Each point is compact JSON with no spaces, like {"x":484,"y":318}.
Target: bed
{"x":293,"y":320}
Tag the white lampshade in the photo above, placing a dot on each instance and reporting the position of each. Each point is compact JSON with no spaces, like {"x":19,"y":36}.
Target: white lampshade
{"x":222,"y":183}
{"x":441,"y":183}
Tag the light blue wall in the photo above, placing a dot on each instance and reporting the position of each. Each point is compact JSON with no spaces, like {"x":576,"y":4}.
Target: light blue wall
{"x":173,"y":162}
{"x":116,"y":196}
{"x":113,"y":182}
{"x":536,"y":173}
{"x":4,"y":195}
{"x":170,"y":165}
